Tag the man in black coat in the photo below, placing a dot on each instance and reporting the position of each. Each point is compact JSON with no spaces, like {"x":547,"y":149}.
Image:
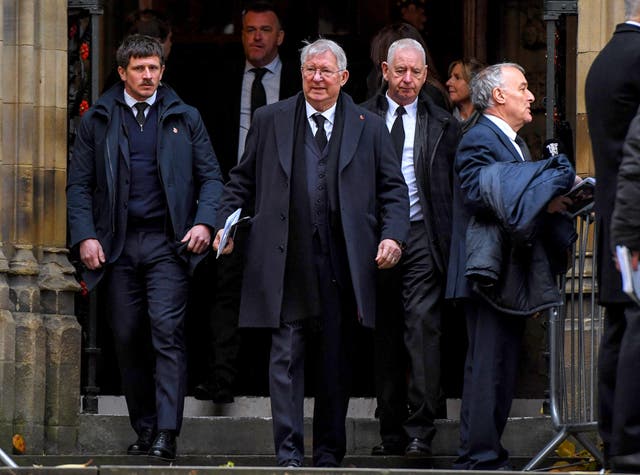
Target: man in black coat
{"x":261,"y":77}
{"x":142,"y":197}
{"x":330,"y":206}
{"x":428,"y":137}
{"x":612,"y":94}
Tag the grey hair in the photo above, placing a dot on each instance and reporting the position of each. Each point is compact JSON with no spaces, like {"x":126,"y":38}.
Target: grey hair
{"x":631,"y":8}
{"x":483,"y":84}
{"x":322,"y":46}
{"x":403,"y":44}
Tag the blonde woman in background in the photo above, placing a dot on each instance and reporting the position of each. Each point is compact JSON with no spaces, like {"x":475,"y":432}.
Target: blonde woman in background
{"x":460,"y":73}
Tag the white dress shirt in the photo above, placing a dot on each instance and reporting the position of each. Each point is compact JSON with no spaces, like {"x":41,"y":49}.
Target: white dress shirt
{"x":408,"y":167}
{"x":271,"y":83}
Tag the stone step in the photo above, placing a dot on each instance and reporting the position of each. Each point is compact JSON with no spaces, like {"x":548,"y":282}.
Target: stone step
{"x":252,"y":406}
{"x":258,"y":465}
{"x":249,"y":431}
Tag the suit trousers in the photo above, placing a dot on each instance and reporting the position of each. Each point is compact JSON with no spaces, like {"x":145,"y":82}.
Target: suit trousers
{"x":618,"y":383}
{"x":328,"y":349}
{"x":224,"y":319}
{"x":491,"y":369}
{"x":410,"y":333}
{"x":147,"y":290}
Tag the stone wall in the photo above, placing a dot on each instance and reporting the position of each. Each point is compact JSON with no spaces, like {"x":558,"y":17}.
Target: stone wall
{"x":596,"y":22}
{"x":39,"y":335}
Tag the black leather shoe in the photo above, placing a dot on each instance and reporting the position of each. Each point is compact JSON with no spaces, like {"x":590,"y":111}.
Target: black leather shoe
{"x":143,"y":444}
{"x":625,"y":463}
{"x":203,"y":392}
{"x":164,"y":446}
{"x":418,"y":448}
{"x":222,"y":395}
{"x":386,"y":449}
{"x":505,"y":468}
{"x":219,"y":394}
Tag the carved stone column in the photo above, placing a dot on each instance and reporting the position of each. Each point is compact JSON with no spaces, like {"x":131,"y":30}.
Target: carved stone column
{"x":57,"y":289}
{"x":475,"y":29}
{"x":7,"y":355}
{"x":36,"y":300}
{"x":30,"y":348}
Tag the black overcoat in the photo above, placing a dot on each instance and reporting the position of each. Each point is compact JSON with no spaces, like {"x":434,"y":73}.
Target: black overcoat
{"x":372,"y":195}
{"x":612,"y":94}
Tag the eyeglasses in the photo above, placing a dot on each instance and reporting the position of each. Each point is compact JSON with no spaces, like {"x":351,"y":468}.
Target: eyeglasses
{"x":309,"y":72}
{"x":415,"y":72}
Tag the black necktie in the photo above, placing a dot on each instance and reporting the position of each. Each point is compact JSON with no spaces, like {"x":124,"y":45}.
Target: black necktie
{"x":526,"y":154}
{"x":258,"y":94}
{"x":397,"y":132}
{"x":321,"y":136}
{"x":140,"y":107}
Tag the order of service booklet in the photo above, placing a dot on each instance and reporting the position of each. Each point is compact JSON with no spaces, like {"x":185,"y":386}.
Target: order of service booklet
{"x":229,"y":224}
{"x":630,"y":277}
{"x":582,"y":195}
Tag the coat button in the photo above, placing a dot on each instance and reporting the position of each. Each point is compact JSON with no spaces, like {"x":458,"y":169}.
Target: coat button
{"x":281,"y":248}
{"x":282,"y":217}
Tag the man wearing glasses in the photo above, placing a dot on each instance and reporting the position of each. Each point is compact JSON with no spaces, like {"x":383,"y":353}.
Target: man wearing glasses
{"x":330,"y":207}
{"x":425,"y":137}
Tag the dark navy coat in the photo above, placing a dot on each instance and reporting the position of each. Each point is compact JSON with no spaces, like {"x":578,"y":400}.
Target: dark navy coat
{"x":97,"y":189}
{"x":372,"y":195}
{"x":483,"y":145}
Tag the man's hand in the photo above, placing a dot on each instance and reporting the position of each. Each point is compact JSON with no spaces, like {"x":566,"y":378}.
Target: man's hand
{"x":389,"y":254}
{"x":198,"y":237}
{"x":91,"y":254}
{"x":559,"y":204}
{"x":216,"y":243}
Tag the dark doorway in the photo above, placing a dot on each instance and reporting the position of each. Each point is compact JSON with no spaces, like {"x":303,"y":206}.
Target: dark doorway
{"x":206,"y":34}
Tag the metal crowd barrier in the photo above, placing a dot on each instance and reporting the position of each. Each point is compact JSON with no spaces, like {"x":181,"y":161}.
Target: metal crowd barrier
{"x":8,"y":461}
{"x":575,"y":330}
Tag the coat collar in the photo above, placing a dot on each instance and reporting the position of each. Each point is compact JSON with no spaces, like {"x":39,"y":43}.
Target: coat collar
{"x":506,"y":141}
{"x":354,"y":121}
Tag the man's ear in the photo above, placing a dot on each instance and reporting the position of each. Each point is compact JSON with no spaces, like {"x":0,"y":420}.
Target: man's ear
{"x":498,"y":95}
{"x":385,"y":70}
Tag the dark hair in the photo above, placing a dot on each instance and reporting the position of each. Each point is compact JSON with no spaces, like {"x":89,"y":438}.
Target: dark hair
{"x":149,"y":22}
{"x":138,"y":46}
{"x":470,"y":67}
{"x":261,"y":6}
{"x":404,"y":3}
{"x":400,"y":4}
